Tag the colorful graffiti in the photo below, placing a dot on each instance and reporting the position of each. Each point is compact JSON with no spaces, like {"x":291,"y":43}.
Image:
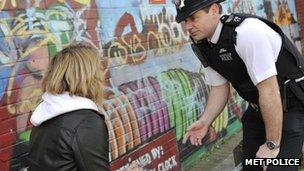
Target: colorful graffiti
{"x":17,"y":4}
{"x":282,"y":12}
{"x":154,"y":85}
{"x":137,"y":113}
{"x":185,"y":98}
{"x":160,"y":34}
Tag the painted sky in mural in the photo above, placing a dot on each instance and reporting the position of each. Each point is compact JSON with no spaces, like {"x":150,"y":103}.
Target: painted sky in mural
{"x":282,"y":12}
{"x":256,"y":6}
{"x":112,"y":10}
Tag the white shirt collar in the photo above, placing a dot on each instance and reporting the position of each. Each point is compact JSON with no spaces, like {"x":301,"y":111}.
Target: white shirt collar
{"x":217,"y":33}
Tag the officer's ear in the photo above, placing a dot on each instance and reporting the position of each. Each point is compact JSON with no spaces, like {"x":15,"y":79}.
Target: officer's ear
{"x":214,"y":9}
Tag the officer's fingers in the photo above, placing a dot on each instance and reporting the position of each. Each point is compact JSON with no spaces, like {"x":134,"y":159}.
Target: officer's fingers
{"x":192,"y":139}
{"x":199,"y":141}
{"x":186,"y":136}
{"x":195,"y":140}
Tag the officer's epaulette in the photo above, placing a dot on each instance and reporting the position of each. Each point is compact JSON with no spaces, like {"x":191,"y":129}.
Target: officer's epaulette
{"x":232,"y":19}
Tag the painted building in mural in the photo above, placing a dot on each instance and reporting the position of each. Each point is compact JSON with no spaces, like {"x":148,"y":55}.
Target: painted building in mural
{"x":154,"y":84}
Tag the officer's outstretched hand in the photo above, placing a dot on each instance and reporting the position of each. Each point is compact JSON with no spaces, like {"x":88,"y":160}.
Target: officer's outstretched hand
{"x":196,"y":132}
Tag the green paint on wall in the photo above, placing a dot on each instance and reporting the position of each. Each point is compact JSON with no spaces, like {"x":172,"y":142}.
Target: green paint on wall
{"x":25,"y":135}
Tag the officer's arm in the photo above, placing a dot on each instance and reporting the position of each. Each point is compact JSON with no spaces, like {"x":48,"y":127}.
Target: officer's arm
{"x":216,"y":102}
{"x":271,"y":108}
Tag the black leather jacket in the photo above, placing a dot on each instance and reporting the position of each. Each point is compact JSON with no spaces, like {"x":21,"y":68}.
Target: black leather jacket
{"x":77,"y":140}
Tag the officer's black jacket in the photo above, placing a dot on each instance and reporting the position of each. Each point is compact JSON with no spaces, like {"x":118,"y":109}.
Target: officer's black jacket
{"x":77,"y":140}
{"x":223,"y":58}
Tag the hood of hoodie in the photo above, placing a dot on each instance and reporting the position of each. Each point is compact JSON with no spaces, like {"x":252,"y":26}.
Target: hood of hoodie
{"x":55,"y":105}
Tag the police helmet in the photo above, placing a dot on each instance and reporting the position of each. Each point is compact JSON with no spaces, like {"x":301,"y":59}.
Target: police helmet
{"x":186,"y":8}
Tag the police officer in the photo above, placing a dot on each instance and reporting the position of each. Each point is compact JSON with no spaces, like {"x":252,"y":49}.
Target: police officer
{"x":264,"y":67}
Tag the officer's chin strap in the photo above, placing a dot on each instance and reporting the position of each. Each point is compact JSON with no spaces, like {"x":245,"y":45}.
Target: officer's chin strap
{"x":193,"y":41}
{"x":198,"y":52}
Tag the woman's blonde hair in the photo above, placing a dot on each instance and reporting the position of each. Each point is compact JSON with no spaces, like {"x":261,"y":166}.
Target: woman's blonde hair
{"x":77,"y":70}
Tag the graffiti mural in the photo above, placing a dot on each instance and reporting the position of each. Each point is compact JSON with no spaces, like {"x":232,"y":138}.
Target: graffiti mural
{"x":137,"y":32}
{"x":161,"y":98}
{"x":282,"y":12}
{"x":154,"y":85}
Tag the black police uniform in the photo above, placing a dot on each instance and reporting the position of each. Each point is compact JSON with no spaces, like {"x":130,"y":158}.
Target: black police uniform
{"x":290,"y":76}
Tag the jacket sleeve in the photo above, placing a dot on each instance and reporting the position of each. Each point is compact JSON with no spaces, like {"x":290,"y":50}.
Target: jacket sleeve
{"x":91,"y":144}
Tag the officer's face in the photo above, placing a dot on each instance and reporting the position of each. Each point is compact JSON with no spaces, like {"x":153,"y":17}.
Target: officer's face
{"x":202,"y":24}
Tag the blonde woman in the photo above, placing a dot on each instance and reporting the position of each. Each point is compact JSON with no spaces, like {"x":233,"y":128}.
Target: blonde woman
{"x":69,"y":132}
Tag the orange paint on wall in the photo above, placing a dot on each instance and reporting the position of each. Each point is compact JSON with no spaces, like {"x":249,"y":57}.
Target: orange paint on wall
{"x":157,"y":1}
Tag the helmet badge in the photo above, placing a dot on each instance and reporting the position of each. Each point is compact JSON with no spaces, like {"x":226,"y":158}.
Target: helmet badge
{"x":179,"y":3}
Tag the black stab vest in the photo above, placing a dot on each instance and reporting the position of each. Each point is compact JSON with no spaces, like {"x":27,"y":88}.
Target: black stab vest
{"x":223,"y":58}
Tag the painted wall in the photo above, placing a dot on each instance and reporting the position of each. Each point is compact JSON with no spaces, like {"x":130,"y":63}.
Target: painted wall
{"x":154,"y":84}
{"x":300,"y":11}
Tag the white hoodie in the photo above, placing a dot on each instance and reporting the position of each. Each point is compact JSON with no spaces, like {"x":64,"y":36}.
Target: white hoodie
{"x":55,"y":105}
